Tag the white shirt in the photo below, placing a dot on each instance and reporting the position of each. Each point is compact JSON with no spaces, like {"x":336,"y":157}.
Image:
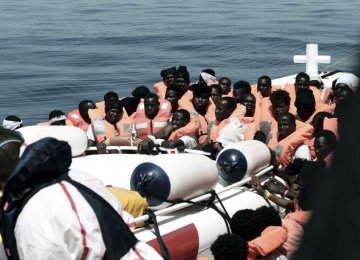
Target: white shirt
{"x":302,"y":152}
{"x":49,"y":228}
{"x":231,"y":133}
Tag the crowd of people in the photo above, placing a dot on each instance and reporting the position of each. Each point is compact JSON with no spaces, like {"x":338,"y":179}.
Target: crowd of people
{"x":297,"y":121}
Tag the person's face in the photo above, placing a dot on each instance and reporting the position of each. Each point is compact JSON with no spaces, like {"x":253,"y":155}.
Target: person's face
{"x":200,"y":102}
{"x":305,"y":112}
{"x":178,"y":120}
{"x":264,"y":87}
{"x":317,"y":123}
{"x":280,"y":108}
{"x":301,"y":83}
{"x":225,"y":86}
{"x":182,"y":83}
{"x":168,"y":79}
{"x":222,"y":111}
{"x":249,"y":102}
{"x":342,"y":94}
{"x":338,"y":88}
{"x":239,"y":93}
{"x":215,"y":94}
{"x":285,"y":126}
{"x":151,"y":106}
{"x":171,"y":96}
{"x":113,"y":116}
{"x":321,"y":148}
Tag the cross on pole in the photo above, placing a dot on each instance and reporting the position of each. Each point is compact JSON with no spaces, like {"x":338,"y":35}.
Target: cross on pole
{"x":312,"y":59}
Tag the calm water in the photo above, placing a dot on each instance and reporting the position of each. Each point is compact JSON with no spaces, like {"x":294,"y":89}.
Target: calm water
{"x":52,"y":55}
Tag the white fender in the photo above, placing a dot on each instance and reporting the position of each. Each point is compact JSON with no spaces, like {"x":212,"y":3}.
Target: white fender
{"x":174,"y":176}
{"x":112,"y":169}
{"x":76,"y":137}
{"x":239,"y":160}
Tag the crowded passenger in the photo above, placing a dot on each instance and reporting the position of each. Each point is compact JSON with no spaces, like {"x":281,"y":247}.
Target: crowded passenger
{"x":215,"y":93}
{"x":240,"y":89}
{"x":168,"y":77}
{"x":225,"y":84}
{"x":12,"y":122}
{"x":80,"y":117}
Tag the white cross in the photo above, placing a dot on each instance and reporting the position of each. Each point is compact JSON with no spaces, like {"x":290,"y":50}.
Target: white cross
{"x":312,"y":59}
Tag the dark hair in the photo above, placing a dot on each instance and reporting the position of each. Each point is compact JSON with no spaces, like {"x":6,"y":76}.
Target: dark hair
{"x":319,"y":118}
{"x":152,"y":95}
{"x":130,"y":104}
{"x":280,"y":96}
{"x":260,"y":136}
{"x":247,"y":223}
{"x":111,"y":95}
{"x":289,"y":115}
{"x":13,"y":118}
{"x":229,"y":247}
{"x":269,"y":216}
{"x":173,"y":87}
{"x":185,"y":113}
{"x":209,"y":71}
{"x":140,"y":91}
{"x":242,"y":84}
{"x":230,"y":102}
{"x":264,"y":77}
{"x":246,"y":95}
{"x":329,"y":136}
{"x":302,"y":75}
{"x":226,"y":78}
{"x":198,"y":90}
{"x":305,"y":98}
{"x":113,"y":104}
{"x":56,"y":113}
{"x":294,"y":167}
{"x":341,"y":108}
{"x":84,"y":103}
{"x":217,"y":86}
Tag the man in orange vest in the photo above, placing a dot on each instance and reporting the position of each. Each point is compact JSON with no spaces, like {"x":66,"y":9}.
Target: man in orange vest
{"x":225,"y":84}
{"x":264,"y":86}
{"x":240,"y":89}
{"x":80,"y":117}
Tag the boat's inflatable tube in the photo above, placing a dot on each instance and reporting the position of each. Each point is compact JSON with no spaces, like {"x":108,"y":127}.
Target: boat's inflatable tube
{"x":112,"y":169}
{"x":238,"y":160}
{"x":169,"y":177}
{"x":76,"y":137}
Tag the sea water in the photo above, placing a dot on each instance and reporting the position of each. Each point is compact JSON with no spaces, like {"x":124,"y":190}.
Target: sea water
{"x":55,"y":53}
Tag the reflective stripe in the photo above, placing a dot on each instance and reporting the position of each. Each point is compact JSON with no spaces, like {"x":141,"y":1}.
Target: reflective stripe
{"x":75,"y":116}
{"x":164,"y":105}
{"x":141,"y":125}
{"x":160,"y":124}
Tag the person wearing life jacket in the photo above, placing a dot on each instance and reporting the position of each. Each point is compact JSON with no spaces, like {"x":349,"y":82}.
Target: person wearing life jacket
{"x":215,"y":92}
{"x":80,"y":117}
{"x":130,"y":105}
{"x":182,"y":81}
{"x":240,"y":88}
{"x":151,"y":116}
{"x":57,"y":117}
{"x":226,"y":126}
{"x":225,"y":84}
{"x":12,"y":122}
{"x":50,"y":212}
{"x":168,"y":77}
{"x":248,"y":123}
{"x":140,"y":92}
{"x":182,"y":134}
{"x":114,"y":124}
{"x":207,"y":77}
{"x":325,"y":144}
{"x":99,"y":111}
{"x":264,"y":86}
{"x":172,"y":95}
{"x":228,"y":247}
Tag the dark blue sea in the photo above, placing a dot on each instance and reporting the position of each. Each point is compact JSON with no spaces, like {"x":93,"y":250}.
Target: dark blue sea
{"x":55,"y":53}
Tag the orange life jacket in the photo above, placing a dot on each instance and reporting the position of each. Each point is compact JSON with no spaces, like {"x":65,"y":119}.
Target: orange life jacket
{"x":214,"y":126}
{"x":273,"y":141}
{"x":294,"y":232}
{"x":190,"y":129}
{"x":272,"y":238}
{"x":75,"y":118}
{"x":145,"y":126}
{"x":249,"y":126}
{"x":67,"y":122}
{"x":160,"y":89}
{"x":103,"y":130}
{"x":285,"y":149}
{"x":187,"y":105}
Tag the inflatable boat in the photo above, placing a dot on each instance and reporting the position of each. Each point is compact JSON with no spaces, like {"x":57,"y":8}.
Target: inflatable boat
{"x":190,"y":195}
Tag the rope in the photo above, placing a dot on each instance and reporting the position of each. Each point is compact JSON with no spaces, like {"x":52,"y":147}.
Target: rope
{"x":341,"y":60}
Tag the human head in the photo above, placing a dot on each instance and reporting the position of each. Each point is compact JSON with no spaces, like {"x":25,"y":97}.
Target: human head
{"x":110,"y":95}
{"x":229,"y":247}
{"x":182,"y":79}
{"x":12,"y":122}
{"x":168,"y":75}
{"x":264,"y":85}
{"x":224,"y":108}
{"x":305,"y":103}
{"x":240,"y":89}
{"x":324,"y":143}
{"x":113,"y":110}
{"x":318,"y":120}
{"x":151,"y":105}
{"x":344,"y":93}
{"x":302,"y":80}
{"x":286,"y":125}
{"x":10,"y":143}
{"x":172,"y":95}
{"x":249,"y":101}
{"x":291,"y":173}
{"x":225,"y":84}
{"x":84,"y":107}
{"x":140,"y":91}
{"x":247,"y":223}
{"x":130,"y":104}
{"x":180,"y":118}
{"x":215,"y":92}
{"x":280,"y":102}
{"x":206,"y":76}
{"x":57,"y":117}
{"x":201,"y":95}
{"x":316,"y":81}
{"x":339,"y":84}
{"x":269,"y":215}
